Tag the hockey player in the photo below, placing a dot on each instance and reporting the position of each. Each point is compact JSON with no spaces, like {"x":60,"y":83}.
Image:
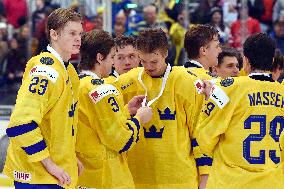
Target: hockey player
{"x":104,"y":132}
{"x":242,"y":122}
{"x":163,"y":158}
{"x":42,"y":128}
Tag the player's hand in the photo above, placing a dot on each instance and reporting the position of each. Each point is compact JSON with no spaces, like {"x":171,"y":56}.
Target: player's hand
{"x":207,"y":89}
{"x":145,"y":114}
{"x":134,"y":104}
{"x":80,"y":167}
{"x":56,"y":171}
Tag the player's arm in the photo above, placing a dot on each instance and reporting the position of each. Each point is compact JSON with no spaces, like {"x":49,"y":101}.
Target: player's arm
{"x":214,"y":119}
{"x":33,"y":102}
{"x":115,"y":130}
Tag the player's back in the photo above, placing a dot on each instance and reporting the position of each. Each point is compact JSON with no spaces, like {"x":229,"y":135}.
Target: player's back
{"x":248,"y":153}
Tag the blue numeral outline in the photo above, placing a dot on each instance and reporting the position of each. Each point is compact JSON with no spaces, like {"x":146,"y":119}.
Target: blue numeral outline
{"x":113,"y":103}
{"x":261,"y":119}
{"x":43,"y":85}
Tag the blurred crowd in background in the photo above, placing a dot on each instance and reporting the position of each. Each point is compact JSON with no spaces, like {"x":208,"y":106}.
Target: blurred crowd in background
{"x":23,"y":33}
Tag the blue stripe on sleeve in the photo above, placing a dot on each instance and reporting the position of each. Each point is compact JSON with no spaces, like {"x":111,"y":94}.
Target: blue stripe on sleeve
{"x":129,"y":142}
{"x":35,"y":148}
{"x":203,"y":161}
{"x":136,"y":122}
{"x":21,"y":129}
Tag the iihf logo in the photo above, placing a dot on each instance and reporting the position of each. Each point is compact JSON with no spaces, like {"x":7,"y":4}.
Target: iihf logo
{"x":167,"y":114}
{"x":153,"y":133}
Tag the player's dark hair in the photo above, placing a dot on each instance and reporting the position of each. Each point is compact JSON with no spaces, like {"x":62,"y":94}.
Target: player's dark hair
{"x":150,"y":40}
{"x":197,"y":37}
{"x":94,"y":42}
{"x":259,"y":50}
{"x":230,"y":52}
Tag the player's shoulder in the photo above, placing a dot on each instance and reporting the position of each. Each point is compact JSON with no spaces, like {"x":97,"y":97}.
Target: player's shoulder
{"x":43,"y":65}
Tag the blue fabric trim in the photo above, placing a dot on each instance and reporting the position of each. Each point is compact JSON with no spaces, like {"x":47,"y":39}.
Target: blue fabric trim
{"x":35,"y":148}
{"x":194,"y":143}
{"x":19,"y":185}
{"x":136,"y":122}
{"x":204,"y":161}
{"x":129,"y":142}
{"x":21,"y":129}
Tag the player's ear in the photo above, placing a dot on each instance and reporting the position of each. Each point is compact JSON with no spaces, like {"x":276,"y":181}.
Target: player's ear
{"x":100,"y":58}
{"x":247,"y":66}
{"x":53,"y":35}
{"x":202,"y":51}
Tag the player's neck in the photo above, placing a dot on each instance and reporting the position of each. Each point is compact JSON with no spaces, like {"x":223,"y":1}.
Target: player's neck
{"x":202,"y":61}
{"x":97,"y":70}
{"x":64,"y":55}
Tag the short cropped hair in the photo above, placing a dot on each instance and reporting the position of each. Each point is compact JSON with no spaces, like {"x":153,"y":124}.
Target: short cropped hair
{"x":124,"y":41}
{"x":230,"y":52}
{"x":150,"y":40}
{"x":94,"y":42}
{"x":197,"y":37}
{"x":59,"y":17}
{"x":259,"y":50}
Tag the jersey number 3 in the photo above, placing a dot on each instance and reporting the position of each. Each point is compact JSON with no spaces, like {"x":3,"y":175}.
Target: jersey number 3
{"x":42,"y":85}
{"x":273,"y":132}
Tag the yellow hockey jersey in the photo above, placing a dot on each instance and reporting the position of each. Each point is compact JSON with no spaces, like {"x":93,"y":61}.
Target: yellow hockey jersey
{"x":204,"y":162}
{"x":43,"y":123}
{"x":163,"y":158}
{"x":104,"y":134}
{"x":241,"y":124}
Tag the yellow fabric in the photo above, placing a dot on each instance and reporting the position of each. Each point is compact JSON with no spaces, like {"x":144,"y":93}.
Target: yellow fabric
{"x":104,"y":134}
{"x":48,"y":103}
{"x":202,"y":74}
{"x":242,"y":73}
{"x":167,"y":161}
{"x":177,"y":33}
{"x":240,"y":132}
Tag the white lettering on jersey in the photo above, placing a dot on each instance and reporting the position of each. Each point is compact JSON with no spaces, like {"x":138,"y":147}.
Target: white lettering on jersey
{"x":219,"y":96}
{"x":102,"y":91}
{"x":45,"y":71}
{"x":22,"y":176}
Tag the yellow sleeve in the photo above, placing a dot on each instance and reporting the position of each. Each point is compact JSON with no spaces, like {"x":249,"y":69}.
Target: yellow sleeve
{"x":35,"y":98}
{"x":212,"y":122}
{"x":115,"y":130}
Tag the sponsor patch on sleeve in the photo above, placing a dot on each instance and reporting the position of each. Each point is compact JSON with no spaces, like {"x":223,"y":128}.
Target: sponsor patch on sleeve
{"x":219,"y":96}
{"x":46,"y":71}
{"x":102,"y":91}
{"x":199,"y":85}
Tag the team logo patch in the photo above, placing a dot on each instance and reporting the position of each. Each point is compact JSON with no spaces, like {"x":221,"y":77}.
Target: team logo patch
{"x":97,"y":81}
{"x":46,"y":60}
{"x":219,"y":96}
{"x":45,"y":71}
{"x":102,"y":91}
{"x":227,"y":82}
{"x":22,"y":176}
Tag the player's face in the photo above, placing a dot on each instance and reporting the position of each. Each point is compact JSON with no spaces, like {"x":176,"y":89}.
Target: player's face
{"x":228,"y":68}
{"x":69,"y":38}
{"x":153,"y":63}
{"x":107,"y":64}
{"x":212,"y":51}
{"x":125,"y":59}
